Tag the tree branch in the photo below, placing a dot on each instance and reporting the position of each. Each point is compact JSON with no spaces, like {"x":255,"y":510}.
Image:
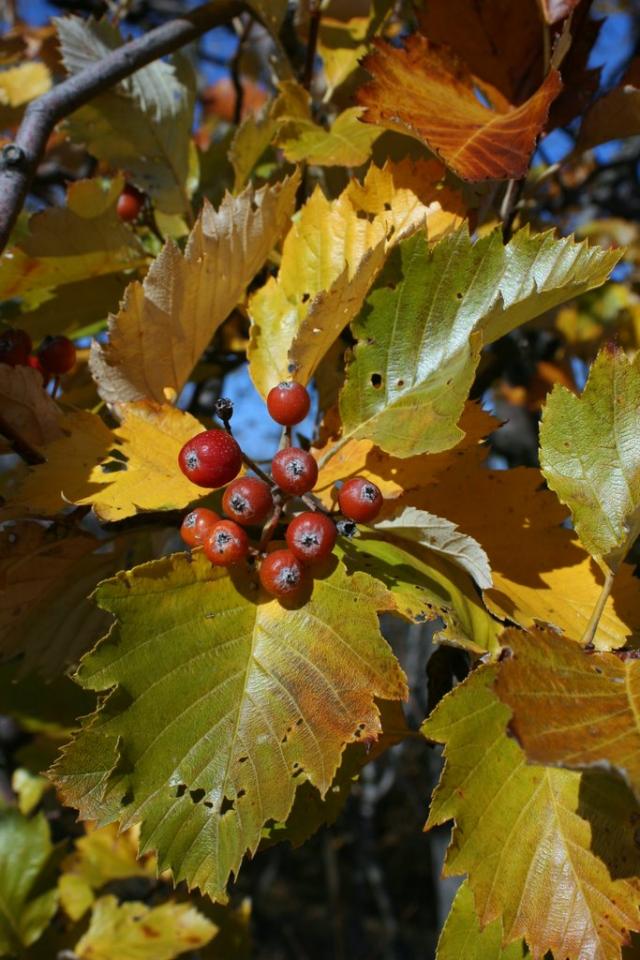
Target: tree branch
{"x":19,"y":160}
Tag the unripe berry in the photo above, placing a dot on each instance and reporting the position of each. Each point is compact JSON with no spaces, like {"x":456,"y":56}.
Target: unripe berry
{"x":281,"y":574}
{"x":294,"y":470}
{"x":247,"y":500}
{"x":226,"y":543}
{"x":15,"y":347}
{"x":57,"y":355}
{"x":288,"y":403}
{"x":196,"y":525}
{"x":211,"y":458}
{"x":311,"y":536}
{"x":360,"y":500}
{"x":130,"y":203}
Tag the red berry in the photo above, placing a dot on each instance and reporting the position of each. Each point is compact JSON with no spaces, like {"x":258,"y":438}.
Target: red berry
{"x":282,"y":574}
{"x":15,"y":347}
{"x":196,"y":525}
{"x":360,"y":500}
{"x":57,"y":355}
{"x":311,"y":536}
{"x":226,"y":543}
{"x":211,"y":458}
{"x":288,"y":403}
{"x":34,"y":363}
{"x":247,"y":500}
{"x":130,"y":203}
{"x":294,"y":470}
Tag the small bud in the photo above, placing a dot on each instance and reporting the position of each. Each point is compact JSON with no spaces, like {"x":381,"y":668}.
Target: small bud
{"x":224,"y":409}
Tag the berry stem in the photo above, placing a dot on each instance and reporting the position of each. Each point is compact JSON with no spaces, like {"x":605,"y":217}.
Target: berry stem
{"x":270,"y":526}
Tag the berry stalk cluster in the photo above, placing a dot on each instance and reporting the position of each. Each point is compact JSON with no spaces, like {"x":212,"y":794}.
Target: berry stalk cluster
{"x":214,"y":459}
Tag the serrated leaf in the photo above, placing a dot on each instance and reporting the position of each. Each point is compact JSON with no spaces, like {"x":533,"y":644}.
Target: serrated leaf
{"x":118,"y":472}
{"x":519,"y":835}
{"x":28,"y":898}
{"x":67,"y":244}
{"x":134,"y":931}
{"x":590,"y":454}
{"x":347,"y":142}
{"x":165,"y":323}
{"x":144,"y":125}
{"x":462,"y":936}
{"x":572,"y":708}
{"x":443,"y":537}
{"x":27,"y":408}
{"x":428,"y":93}
{"x":329,"y":259}
{"x":45,"y":580}
{"x":267,"y":698}
{"x":431,"y":310}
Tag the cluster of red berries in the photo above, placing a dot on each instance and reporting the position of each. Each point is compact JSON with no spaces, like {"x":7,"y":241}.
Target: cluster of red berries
{"x":214,"y":459}
{"x":55,"y":355}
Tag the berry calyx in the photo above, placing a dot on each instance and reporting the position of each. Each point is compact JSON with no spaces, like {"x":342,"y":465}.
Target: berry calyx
{"x":288,"y":403}
{"x":294,"y":470}
{"x":226,"y":543}
{"x":15,"y":347}
{"x":211,"y":458}
{"x":57,"y":355}
{"x":247,"y":500}
{"x":130,"y":203}
{"x":360,"y":500}
{"x":282,"y":574}
{"x":311,"y":536}
{"x":196,"y":525}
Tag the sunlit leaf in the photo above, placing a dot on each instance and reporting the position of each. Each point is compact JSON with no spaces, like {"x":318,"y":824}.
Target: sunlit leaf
{"x":144,"y":125}
{"x":520,"y":836}
{"x":165,"y":323}
{"x":134,"y":931}
{"x":28,"y":897}
{"x":19,"y":85}
{"x":267,"y":698}
{"x":462,"y":937}
{"x":428,"y":93}
{"x":590,"y":454}
{"x":29,"y":411}
{"x":346,"y":143}
{"x":431,"y":310}
{"x":29,"y":788}
{"x":66,"y":244}
{"x":341,"y":44}
{"x":572,"y":708}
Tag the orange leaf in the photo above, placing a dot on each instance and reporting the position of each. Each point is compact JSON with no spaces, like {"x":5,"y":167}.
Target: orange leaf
{"x":426,"y":92}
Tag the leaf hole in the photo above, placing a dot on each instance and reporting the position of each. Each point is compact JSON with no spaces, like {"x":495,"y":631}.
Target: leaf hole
{"x":226,"y":805}
{"x":242,"y":759}
{"x":297,"y":772}
{"x":181,"y":790}
{"x":376,"y":380}
{"x":241,"y":793}
{"x":400,"y":383}
{"x":299,"y":721}
{"x":112,"y":466}
{"x":197,"y":795}
{"x":208,"y":804}
{"x":306,"y":297}
{"x":458,"y":295}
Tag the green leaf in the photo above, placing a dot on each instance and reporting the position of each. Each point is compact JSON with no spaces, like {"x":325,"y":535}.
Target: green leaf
{"x":144,"y":125}
{"x":424,"y":323}
{"x":590,"y":454}
{"x":463,"y":939}
{"x":347,"y":143}
{"x":223,"y":702}
{"x":134,"y":931}
{"x":28,"y":896}
{"x":520,"y":835}
{"x":441,"y":536}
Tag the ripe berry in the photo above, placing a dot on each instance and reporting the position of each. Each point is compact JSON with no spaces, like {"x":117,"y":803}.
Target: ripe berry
{"x":288,"y":403}
{"x":294,"y":470}
{"x":57,"y":355}
{"x":196,"y":525}
{"x":211,"y":458}
{"x":360,"y":500}
{"x":247,"y":500}
{"x":130,"y":203}
{"x":311,"y":536}
{"x":281,"y":574}
{"x":226,"y":543}
{"x":15,"y":347}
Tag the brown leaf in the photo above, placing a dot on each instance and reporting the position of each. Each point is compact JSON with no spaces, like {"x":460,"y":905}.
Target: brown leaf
{"x":428,"y":93}
{"x":27,"y":409}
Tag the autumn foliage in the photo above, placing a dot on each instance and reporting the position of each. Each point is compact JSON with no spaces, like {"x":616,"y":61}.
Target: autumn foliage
{"x":361,"y":219}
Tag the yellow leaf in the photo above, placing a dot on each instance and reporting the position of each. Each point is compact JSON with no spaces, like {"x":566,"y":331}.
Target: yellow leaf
{"x":19,"y":85}
{"x":165,"y":323}
{"x":27,"y":408}
{"x":134,"y":931}
{"x":119,"y":473}
{"x":330,"y":258}
{"x":341,"y":44}
{"x":347,"y":143}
